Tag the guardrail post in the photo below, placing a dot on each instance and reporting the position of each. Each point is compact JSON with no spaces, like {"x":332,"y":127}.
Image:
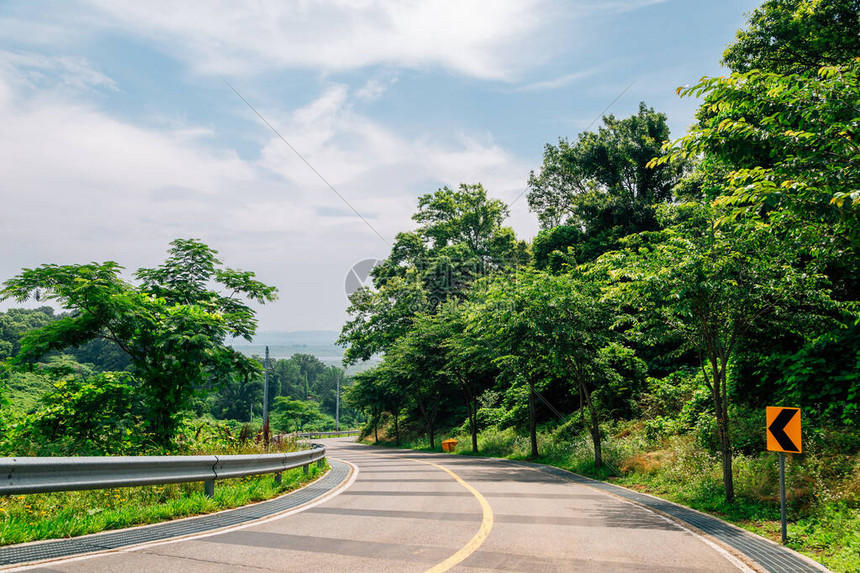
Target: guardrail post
{"x":320,"y":462}
{"x":209,"y":488}
{"x":306,"y":468}
{"x":278,"y":478}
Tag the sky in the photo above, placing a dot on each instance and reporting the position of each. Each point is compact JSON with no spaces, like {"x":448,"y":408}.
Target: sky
{"x":123,"y":125}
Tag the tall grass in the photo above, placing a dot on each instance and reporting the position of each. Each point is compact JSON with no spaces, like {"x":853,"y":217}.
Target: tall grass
{"x":69,"y":514}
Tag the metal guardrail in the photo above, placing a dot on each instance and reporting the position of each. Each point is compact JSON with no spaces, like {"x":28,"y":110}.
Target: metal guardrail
{"x":326,"y":434}
{"x":41,"y":475}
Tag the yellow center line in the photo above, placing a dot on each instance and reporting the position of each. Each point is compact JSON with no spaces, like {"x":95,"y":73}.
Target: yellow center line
{"x":483,"y":531}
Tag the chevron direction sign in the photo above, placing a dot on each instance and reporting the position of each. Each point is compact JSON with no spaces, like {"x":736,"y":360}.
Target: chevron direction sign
{"x":783,"y":430}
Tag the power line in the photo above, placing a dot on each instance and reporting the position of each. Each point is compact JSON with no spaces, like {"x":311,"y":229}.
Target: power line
{"x":299,"y":155}
{"x":624,"y":91}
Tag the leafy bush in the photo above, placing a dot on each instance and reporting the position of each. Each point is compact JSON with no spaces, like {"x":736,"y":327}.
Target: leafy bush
{"x":96,"y":416}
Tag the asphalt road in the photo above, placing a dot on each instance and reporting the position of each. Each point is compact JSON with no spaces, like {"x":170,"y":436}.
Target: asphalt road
{"x":406,"y":511}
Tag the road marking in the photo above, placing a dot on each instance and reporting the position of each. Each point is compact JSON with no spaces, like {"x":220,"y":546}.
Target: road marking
{"x":194,"y":536}
{"x":734,"y":560}
{"x":486,"y":521}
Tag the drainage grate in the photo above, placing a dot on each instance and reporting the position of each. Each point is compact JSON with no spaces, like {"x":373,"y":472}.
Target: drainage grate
{"x":40,"y":551}
{"x":773,"y":558}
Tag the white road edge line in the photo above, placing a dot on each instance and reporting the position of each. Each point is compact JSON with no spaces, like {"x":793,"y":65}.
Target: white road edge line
{"x":731,"y":557}
{"x":324,"y":498}
{"x":721,"y":550}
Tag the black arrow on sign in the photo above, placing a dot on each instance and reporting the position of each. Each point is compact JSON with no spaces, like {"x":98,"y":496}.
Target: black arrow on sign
{"x":777,"y":430}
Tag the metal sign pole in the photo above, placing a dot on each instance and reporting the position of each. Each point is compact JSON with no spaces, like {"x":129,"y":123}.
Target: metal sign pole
{"x":783,"y":432}
{"x":782,"y":495}
{"x":337,"y":408}
{"x":266,"y":396}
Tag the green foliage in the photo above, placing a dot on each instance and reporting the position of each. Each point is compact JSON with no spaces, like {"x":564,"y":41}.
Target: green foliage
{"x":466,"y":216}
{"x":70,"y":514}
{"x":172,"y":327}
{"x":792,"y":36}
{"x":378,"y":319}
{"x":460,"y":238}
{"x":711,"y":286}
{"x":600,"y":183}
{"x":550,"y":247}
{"x":299,"y":416}
{"x":91,"y":416}
{"x":15,"y":322}
{"x":823,"y":377}
{"x":790,"y":144}
{"x":236,"y":396}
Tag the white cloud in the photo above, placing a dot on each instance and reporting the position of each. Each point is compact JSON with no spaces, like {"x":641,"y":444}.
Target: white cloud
{"x":556,"y":83}
{"x":489,"y":39}
{"x":80,"y":185}
{"x":40,"y":71}
{"x":373,"y":89}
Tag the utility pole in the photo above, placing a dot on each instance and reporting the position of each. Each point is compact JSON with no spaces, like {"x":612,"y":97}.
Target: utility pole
{"x":266,"y":393}
{"x":337,"y":407}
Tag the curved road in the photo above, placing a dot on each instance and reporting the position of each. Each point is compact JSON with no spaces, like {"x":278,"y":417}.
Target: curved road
{"x":408,"y":511}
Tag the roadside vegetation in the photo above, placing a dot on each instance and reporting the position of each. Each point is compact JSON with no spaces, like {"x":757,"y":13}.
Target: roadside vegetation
{"x":143,"y":369}
{"x":68,"y":514}
{"x":823,"y":484}
{"x":676,"y":289}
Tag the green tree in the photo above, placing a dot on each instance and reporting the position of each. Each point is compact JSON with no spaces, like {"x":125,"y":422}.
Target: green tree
{"x":16,"y":322}
{"x":466,"y":216}
{"x":416,"y":367}
{"x":465,"y":358}
{"x":711,"y":286}
{"x":460,"y":238}
{"x":237,"y":394}
{"x":172,"y":326}
{"x":98,"y":415}
{"x":379,"y":318}
{"x":546,"y":328}
{"x":794,"y":36}
{"x":368,"y":395}
{"x":600,"y":184}
{"x":790,"y":145}
{"x":299,"y":415}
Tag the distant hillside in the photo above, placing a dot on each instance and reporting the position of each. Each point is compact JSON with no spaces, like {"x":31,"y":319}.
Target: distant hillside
{"x":306,"y":337}
{"x":319,"y":343}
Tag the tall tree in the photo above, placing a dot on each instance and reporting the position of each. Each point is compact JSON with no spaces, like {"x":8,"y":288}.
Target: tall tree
{"x":172,"y":326}
{"x":612,"y":161}
{"x":794,"y":36}
{"x":601,"y":185}
{"x":546,"y":328}
{"x":460,"y":238}
{"x":711,"y":285}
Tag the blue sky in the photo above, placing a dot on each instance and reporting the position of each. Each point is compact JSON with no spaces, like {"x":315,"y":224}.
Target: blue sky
{"x":120,"y":134}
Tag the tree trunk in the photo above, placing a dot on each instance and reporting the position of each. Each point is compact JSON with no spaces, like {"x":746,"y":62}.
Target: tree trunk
{"x":432,"y":432}
{"x":376,"y":429}
{"x":396,"y":428}
{"x":595,"y":427}
{"x":533,"y":420}
{"x":722,"y":414}
{"x":474,"y":426}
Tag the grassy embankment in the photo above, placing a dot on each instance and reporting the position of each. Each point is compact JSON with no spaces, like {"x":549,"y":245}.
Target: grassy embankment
{"x":68,"y":514}
{"x":823,"y":486}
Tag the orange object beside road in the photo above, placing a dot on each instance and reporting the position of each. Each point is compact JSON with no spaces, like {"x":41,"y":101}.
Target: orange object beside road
{"x":783,"y":430}
{"x":449,"y":445}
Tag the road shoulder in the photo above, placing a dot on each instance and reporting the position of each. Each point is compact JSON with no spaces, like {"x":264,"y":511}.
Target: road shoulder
{"x":322,"y":489}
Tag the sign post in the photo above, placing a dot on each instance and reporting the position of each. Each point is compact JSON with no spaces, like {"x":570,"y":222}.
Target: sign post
{"x":783,"y":435}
